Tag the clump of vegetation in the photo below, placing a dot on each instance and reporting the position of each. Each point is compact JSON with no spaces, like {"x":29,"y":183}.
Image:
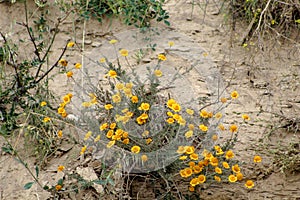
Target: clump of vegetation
{"x":275,"y":17}
{"x":138,"y":13}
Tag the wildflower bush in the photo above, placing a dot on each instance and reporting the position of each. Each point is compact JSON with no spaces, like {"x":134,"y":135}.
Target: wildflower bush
{"x":130,"y":122}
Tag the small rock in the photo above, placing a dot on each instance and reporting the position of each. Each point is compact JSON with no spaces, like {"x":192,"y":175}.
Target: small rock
{"x":146,"y":60}
{"x":89,"y":174}
{"x":96,"y":44}
{"x":189,"y":19}
{"x":88,"y":42}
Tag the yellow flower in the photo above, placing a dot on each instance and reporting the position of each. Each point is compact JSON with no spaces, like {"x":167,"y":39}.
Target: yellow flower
{"x":71,"y":44}
{"x":176,"y":107}
{"x":239,"y":176}
{"x":176,"y":117}
{"x":110,"y":144}
{"x":194,"y":182}
{"x":148,"y":140}
{"x":108,"y":106}
{"x":226,"y":165}
{"x":77,"y":65}
{"x":126,"y":141}
{"x":61,"y":110}
{"x":69,"y":74}
{"x":170,"y":120}
{"x":103,"y":126}
{"x":197,"y":169}
{"x":189,"y":149}
{"x":249,"y":184}
{"x":60,"y":168}
{"x":214,"y":137}
{"x":170,"y":103}
{"x":134,"y":99}
{"x":66,"y":99}
{"x":112,"y":74}
{"x":63,"y":62}
{"x":116,"y":98}
{"x":233,"y":128}
{"x":218,"y":115}
{"x":191,"y":127}
{"x":171,"y":43}
{"x":203,"y":128}
{"x":234,"y":94}
{"x":223,"y":100}
{"x":218,"y":170}
{"x":217,"y":178}
{"x":129,"y":85}
{"x":135,"y":149}
{"x":102,"y":60}
{"x":124,"y":52}
{"x":232,"y":178}
{"x":188,"y":172}
{"x":204,"y":113}
{"x":97,"y":138}
{"x":162,"y":57}
{"x":43,"y":103}
{"x":144,"y":106}
{"x":214,"y":161}
{"x":194,"y":156}
{"x":191,"y":189}
{"x":245,"y":117}
{"x":221,"y":127}
{"x":64,"y":114}
{"x":205,"y":54}
{"x":181,"y":150}
{"x":182,"y":157}
{"x":257,"y":159}
{"x":182,"y":173}
{"x":46,"y":119}
{"x":192,"y":164}
{"x":144,"y":158}
{"x":113,"y":41}
{"x":59,"y":134}
{"x":201,"y":178}
{"x":87,"y":135}
{"x":189,"y":111}
{"x":158,"y":73}
{"x":83,"y":149}
{"x":86,"y":104}
{"x":125,"y":134}
{"x":109,"y":134}
{"x":235,"y":168}
{"x":120,"y":86}
{"x":189,"y":134}
{"x":70,"y":95}
{"x":229,"y":154}
{"x":58,"y":187}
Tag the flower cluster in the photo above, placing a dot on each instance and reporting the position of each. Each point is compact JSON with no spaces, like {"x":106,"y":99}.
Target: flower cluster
{"x":66,"y":100}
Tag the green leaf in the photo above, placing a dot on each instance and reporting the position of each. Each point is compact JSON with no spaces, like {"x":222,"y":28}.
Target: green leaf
{"x":167,"y":22}
{"x":46,"y":187}
{"x":60,"y":181}
{"x":37,"y":171}
{"x":110,"y":181}
{"x":8,"y":149}
{"x":297,"y":21}
{"x":27,"y":186}
{"x":100,"y":182}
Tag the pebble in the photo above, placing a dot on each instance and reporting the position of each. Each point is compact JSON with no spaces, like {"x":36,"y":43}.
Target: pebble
{"x":96,"y":44}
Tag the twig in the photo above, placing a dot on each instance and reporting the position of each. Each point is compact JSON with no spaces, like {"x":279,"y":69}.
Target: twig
{"x":260,"y":17}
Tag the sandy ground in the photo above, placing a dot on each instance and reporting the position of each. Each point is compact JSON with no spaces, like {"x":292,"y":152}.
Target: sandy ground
{"x":268,"y":81}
